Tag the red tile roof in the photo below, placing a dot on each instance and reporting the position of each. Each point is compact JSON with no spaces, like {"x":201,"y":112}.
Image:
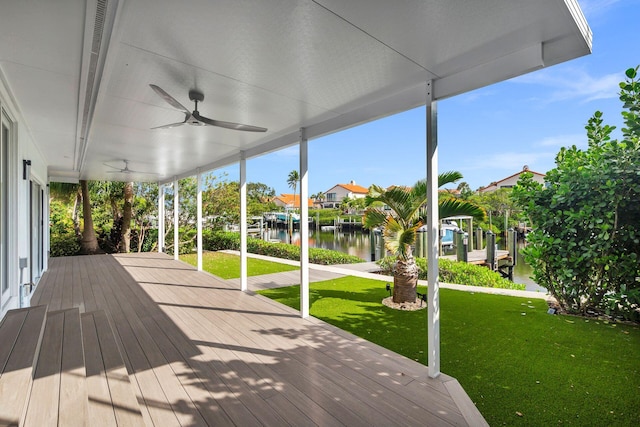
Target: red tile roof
{"x":288,"y":199}
{"x":354,"y":188}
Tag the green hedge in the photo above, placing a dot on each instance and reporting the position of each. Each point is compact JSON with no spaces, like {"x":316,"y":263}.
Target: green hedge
{"x":221,"y":240}
{"x":64,"y":245}
{"x":459,"y":272}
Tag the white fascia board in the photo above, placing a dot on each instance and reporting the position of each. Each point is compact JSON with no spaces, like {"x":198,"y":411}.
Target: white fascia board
{"x":500,"y":69}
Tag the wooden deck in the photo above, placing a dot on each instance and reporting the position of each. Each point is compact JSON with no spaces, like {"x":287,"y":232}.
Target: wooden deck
{"x":199,"y":352}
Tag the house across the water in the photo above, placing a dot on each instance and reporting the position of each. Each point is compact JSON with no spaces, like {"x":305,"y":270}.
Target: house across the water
{"x":512,"y":180}
{"x":336,"y":194}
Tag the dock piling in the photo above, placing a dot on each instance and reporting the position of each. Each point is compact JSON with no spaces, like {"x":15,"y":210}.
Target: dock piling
{"x":491,"y":250}
{"x":461,"y":249}
{"x":478,"y":234}
{"x":512,"y":244}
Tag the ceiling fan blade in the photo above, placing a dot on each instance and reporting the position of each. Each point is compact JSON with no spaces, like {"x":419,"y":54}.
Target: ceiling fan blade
{"x":169,"y":99}
{"x":228,"y":125}
{"x":172,"y":125}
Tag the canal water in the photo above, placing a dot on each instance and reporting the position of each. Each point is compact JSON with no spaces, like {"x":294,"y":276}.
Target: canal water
{"x":358,"y":244}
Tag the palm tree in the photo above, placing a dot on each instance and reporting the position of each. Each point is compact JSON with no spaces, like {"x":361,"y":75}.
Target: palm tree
{"x":408,"y":213}
{"x":318,"y":198}
{"x":87,"y":239}
{"x":292,"y":181}
{"x":127,"y":211}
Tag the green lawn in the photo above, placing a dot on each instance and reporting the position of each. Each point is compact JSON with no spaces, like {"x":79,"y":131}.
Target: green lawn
{"x":509,"y":355}
{"x":227,"y":266}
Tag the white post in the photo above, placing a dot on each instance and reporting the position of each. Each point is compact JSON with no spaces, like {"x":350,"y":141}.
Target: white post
{"x":161,"y":218}
{"x":176,"y":233}
{"x":243,"y":222}
{"x":433,"y":294}
{"x":304,"y":225}
{"x":199,"y":217}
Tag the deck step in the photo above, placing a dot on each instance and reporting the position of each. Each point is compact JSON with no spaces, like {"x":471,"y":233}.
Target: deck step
{"x":59,"y":395}
{"x":112,"y":400}
{"x":21,"y":333}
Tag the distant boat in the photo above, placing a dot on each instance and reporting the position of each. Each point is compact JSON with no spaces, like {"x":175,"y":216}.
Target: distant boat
{"x":281,"y":217}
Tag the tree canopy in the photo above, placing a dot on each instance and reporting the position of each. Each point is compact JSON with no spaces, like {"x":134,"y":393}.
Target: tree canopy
{"x":586,"y":245}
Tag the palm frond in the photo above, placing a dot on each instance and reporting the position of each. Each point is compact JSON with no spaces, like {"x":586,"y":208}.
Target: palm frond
{"x":457,"y":207}
{"x":444,"y":178}
{"x":448,"y":177}
{"x":374,"y":217}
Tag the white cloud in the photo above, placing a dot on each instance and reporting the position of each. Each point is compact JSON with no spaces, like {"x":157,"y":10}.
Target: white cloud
{"x":578,"y":140}
{"x":574,"y":84}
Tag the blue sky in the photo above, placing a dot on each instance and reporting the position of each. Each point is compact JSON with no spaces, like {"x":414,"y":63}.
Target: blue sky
{"x":487,"y":134}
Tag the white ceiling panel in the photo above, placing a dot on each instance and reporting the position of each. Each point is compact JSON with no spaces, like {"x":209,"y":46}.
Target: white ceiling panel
{"x":323,"y":65}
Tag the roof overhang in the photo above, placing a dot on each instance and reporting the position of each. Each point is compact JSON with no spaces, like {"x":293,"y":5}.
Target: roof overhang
{"x":79,"y":70}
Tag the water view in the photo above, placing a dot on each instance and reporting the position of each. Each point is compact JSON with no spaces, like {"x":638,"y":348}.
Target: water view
{"x":358,"y":244}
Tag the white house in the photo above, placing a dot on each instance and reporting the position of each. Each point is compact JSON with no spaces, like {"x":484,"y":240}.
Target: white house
{"x":512,"y":180}
{"x":334,"y":196}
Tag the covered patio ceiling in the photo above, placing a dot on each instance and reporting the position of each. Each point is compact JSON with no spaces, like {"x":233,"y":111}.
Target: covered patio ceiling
{"x":79,"y":70}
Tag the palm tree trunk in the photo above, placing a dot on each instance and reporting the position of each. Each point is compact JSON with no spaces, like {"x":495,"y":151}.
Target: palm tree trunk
{"x":74,"y":216}
{"x":89,"y":242}
{"x":125,"y":240}
{"x":405,"y":280}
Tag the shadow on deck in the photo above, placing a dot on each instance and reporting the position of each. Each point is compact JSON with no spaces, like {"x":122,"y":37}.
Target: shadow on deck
{"x":198,"y":352}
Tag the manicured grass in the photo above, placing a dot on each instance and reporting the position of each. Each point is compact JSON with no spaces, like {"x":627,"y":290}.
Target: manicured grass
{"x":510,"y":356}
{"x":227,"y":266}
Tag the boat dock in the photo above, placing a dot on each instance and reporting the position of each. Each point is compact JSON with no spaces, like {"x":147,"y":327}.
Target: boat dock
{"x":479,"y":256}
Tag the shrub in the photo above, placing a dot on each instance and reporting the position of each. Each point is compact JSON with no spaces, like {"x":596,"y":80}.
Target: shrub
{"x":458,"y":272}
{"x":221,"y":240}
{"x":187,"y":242}
{"x":64,"y":245}
{"x":585,"y":248}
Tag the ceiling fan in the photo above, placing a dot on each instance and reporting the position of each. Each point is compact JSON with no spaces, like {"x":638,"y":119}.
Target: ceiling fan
{"x":126,"y":169}
{"x":194,"y":118}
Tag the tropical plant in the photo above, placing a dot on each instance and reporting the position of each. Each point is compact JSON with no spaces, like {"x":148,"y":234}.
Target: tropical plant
{"x":405,"y":214}
{"x":292,"y":181}
{"x":585,"y":248}
{"x":318,"y":197}
{"x":87,"y":238}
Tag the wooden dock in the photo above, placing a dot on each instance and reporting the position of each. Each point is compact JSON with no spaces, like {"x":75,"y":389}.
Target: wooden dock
{"x":479,"y":256}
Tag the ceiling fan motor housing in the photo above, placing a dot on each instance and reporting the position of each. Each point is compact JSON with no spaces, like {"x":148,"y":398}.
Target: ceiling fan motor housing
{"x":196,"y":95}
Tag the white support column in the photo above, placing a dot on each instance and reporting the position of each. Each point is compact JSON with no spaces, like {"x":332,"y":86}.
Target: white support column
{"x":243,"y":222}
{"x":176,"y":233}
{"x":161,"y":218}
{"x":304,"y":225}
{"x":433,"y":226}
{"x":199,"y":217}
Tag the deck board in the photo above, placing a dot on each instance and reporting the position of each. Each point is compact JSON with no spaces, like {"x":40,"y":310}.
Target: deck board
{"x":17,"y":373}
{"x":73,"y":410}
{"x":45,"y":392}
{"x":200,"y":352}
